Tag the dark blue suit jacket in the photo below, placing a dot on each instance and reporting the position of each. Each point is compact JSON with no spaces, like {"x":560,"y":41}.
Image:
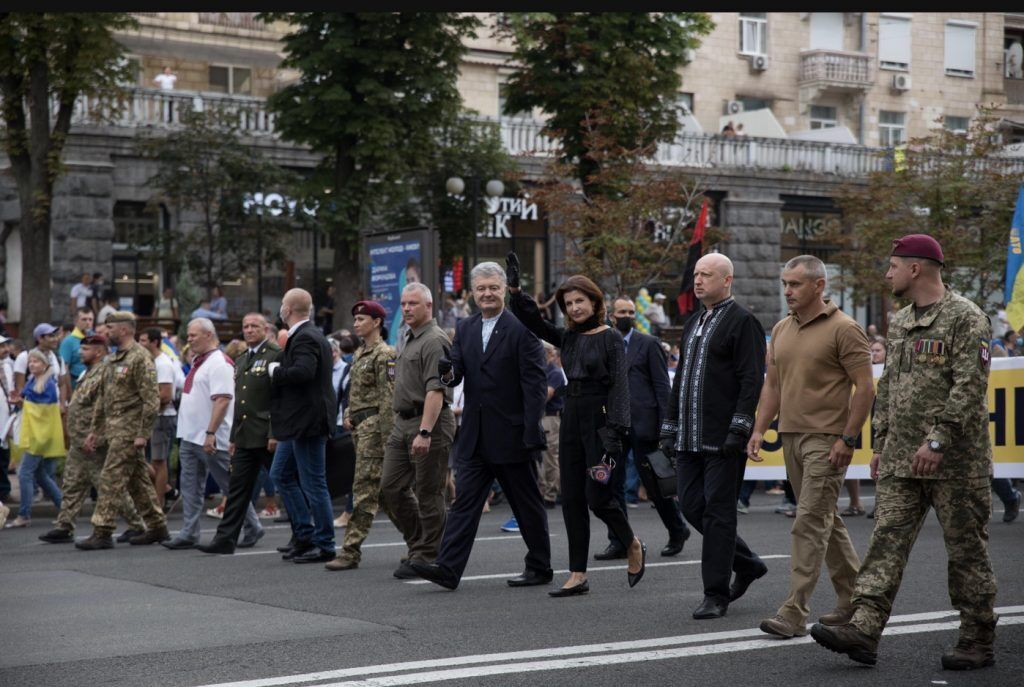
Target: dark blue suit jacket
{"x":648,"y":385}
{"x":302,"y":399}
{"x":505,"y":391}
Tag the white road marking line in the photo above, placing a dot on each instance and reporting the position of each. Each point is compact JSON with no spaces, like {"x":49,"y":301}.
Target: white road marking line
{"x":606,"y":657}
{"x":599,"y":568}
{"x":402,"y":543}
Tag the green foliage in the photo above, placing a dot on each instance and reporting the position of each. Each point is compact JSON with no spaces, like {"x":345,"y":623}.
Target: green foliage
{"x":373,"y":91}
{"x":948,"y":185}
{"x":623,"y":66}
{"x":206,"y":168}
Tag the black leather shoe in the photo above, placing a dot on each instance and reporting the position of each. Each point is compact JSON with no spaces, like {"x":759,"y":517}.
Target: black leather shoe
{"x":250,"y":542}
{"x":575,"y":590}
{"x":217,"y":546}
{"x":288,"y":547}
{"x":675,"y":544}
{"x":178,"y":544}
{"x":710,"y":608}
{"x":634,"y":578}
{"x":405,"y":571}
{"x":612,"y":552}
{"x":739,"y":585}
{"x":301,"y":547}
{"x":58,"y":535}
{"x":531,"y":578}
{"x":128,"y":534}
{"x":314,"y":555}
{"x":432,"y":572}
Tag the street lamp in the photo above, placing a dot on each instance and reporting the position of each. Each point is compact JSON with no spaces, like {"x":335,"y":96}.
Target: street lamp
{"x":494,"y":189}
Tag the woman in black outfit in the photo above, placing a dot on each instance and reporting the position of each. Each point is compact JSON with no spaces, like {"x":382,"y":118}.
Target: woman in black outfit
{"x":595,"y":417}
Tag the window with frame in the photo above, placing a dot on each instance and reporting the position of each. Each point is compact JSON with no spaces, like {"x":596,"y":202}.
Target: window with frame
{"x":751,"y":103}
{"x":684,"y":101}
{"x":960,"y":48}
{"x":823,"y":117}
{"x":956,"y":124}
{"x":894,"y":42}
{"x":230,"y":79}
{"x":502,"y":98}
{"x":754,"y":33}
{"x":892,"y":128}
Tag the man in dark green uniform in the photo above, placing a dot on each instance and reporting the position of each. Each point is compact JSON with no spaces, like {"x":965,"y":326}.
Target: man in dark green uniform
{"x":251,"y":445}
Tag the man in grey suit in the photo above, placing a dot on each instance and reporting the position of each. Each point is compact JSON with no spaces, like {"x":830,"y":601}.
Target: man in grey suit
{"x":648,"y":404}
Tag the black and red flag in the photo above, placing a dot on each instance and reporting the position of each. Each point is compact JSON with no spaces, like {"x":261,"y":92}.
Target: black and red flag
{"x":686,"y":300}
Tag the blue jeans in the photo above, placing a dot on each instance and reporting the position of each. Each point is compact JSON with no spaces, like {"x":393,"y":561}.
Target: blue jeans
{"x":300,"y":473}
{"x":632,"y":480}
{"x":264,"y":484}
{"x":37,"y":469}
{"x":1003,"y":488}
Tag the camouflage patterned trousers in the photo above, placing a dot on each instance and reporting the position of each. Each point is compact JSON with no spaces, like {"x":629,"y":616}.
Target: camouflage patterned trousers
{"x":81,"y":473}
{"x":125,"y":470}
{"x":963,"y":507}
{"x":365,"y":503}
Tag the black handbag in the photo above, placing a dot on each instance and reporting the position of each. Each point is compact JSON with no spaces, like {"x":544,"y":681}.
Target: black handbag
{"x":663,"y":470}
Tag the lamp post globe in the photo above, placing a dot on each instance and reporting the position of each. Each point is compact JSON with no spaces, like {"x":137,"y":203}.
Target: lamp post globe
{"x":494,"y":188}
{"x":455,"y":186}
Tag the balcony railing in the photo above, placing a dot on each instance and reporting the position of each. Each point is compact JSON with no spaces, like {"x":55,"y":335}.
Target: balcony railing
{"x":836,"y":68}
{"x":160,"y":109}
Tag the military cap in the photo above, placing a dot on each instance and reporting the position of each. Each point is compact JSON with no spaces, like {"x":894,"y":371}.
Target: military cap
{"x":371,"y":308}
{"x":94,"y":340}
{"x":119,"y":316}
{"x":918,"y":246}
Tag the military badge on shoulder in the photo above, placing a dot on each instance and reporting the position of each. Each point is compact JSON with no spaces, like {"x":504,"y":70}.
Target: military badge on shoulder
{"x":391,"y":369}
{"x":984,"y":353}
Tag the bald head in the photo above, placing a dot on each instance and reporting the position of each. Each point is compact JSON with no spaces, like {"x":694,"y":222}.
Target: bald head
{"x":718,"y":262}
{"x":712,"y":279}
{"x":296,"y":306}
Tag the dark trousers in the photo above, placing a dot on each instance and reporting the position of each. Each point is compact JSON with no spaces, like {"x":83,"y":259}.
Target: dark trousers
{"x":708,"y":485}
{"x":580,"y":448}
{"x":5,"y":481}
{"x":246,"y":465}
{"x":1003,"y":488}
{"x":473,"y":480}
{"x":668,"y":509}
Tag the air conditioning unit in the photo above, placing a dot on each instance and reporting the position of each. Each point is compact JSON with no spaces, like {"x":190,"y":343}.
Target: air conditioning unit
{"x":759,"y":63}
{"x":901,"y":82}
{"x":733,"y":107}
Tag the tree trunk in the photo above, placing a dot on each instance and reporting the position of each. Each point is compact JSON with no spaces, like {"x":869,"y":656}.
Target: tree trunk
{"x":36,"y":289}
{"x":346,"y":242}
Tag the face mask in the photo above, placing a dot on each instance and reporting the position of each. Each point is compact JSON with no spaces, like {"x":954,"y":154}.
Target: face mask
{"x":624,"y":324}
{"x":347,"y":357}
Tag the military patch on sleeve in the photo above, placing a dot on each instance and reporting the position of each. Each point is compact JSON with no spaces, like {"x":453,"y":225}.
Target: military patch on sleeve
{"x":984,"y":353}
{"x":391,"y":369}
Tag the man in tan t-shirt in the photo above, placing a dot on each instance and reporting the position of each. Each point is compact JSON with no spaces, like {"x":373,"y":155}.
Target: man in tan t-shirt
{"x":816,"y":355}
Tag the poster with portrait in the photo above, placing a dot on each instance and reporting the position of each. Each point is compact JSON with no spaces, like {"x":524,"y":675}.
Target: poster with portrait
{"x":393,"y":260}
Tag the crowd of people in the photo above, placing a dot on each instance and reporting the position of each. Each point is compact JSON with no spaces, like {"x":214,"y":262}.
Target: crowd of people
{"x":577,"y":410}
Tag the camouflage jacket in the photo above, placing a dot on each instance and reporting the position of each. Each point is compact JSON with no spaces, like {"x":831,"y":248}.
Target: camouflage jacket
{"x":372,"y":384}
{"x":129,"y":399}
{"x":83,"y":403}
{"x":935,"y":386}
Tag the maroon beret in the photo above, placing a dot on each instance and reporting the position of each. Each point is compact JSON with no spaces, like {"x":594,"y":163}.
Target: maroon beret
{"x":371,"y":308}
{"x":94,"y":340}
{"x":918,"y":246}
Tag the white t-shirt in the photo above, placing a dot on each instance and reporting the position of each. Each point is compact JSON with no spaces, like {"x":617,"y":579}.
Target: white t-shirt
{"x":214,"y":377}
{"x":81,"y":293}
{"x":167,"y":372}
{"x":165,"y":81}
{"x":104,"y":312}
{"x":60,"y":368}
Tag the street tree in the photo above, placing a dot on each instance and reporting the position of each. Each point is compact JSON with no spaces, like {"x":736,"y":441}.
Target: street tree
{"x":205,"y":168}
{"x":374,"y":90}
{"x":47,"y":60}
{"x":951,"y":185}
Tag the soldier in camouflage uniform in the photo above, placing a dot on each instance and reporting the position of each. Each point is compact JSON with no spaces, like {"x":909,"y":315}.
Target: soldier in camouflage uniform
{"x":932,"y":450}
{"x":124,"y":414}
{"x":82,"y":469}
{"x":369,"y":416}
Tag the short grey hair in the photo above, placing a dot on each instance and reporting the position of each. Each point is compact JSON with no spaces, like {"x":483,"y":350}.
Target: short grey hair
{"x":813,"y":267}
{"x":205,"y":324}
{"x":488,"y":269}
{"x":423,"y":290}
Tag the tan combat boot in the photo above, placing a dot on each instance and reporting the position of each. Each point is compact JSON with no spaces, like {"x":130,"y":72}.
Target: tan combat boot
{"x":342,"y":563}
{"x":847,"y":639}
{"x":837,"y":616}
{"x":151,"y":536}
{"x":968,"y":655}
{"x":98,"y":540}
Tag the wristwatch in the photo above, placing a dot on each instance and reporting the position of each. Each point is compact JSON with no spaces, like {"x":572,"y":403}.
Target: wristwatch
{"x":935,"y":445}
{"x":210,"y":433}
{"x":850,"y":442}
{"x":425,"y":433}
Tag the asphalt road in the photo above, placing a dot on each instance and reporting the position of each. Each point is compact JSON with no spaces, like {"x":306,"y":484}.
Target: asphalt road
{"x":139,"y":616}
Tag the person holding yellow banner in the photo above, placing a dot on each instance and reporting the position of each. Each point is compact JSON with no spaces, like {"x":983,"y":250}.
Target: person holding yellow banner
{"x":816,"y":356}
{"x":932,"y":450}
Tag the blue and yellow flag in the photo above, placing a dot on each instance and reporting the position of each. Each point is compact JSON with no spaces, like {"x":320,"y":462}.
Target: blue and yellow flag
{"x":1014,"y":295}
{"x":42,"y":433}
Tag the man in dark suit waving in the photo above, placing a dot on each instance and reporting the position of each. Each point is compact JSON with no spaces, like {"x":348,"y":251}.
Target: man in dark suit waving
{"x":303,"y":411}
{"x":502,"y":366}
{"x":648,"y":406}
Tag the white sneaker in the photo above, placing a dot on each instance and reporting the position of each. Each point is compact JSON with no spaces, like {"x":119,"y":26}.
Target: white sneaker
{"x":4,"y":512}
{"x":214,"y":513}
{"x":342,"y":520}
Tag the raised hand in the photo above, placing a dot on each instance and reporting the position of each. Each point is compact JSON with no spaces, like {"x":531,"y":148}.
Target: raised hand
{"x":512,"y":269}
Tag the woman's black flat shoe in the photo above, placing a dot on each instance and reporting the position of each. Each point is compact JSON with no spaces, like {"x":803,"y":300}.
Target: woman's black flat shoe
{"x":581,"y":588}
{"x":635,"y":577}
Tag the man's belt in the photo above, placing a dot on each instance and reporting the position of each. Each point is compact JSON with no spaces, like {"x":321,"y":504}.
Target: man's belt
{"x":585,"y":387}
{"x":417,"y":410}
{"x":358,"y":416}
